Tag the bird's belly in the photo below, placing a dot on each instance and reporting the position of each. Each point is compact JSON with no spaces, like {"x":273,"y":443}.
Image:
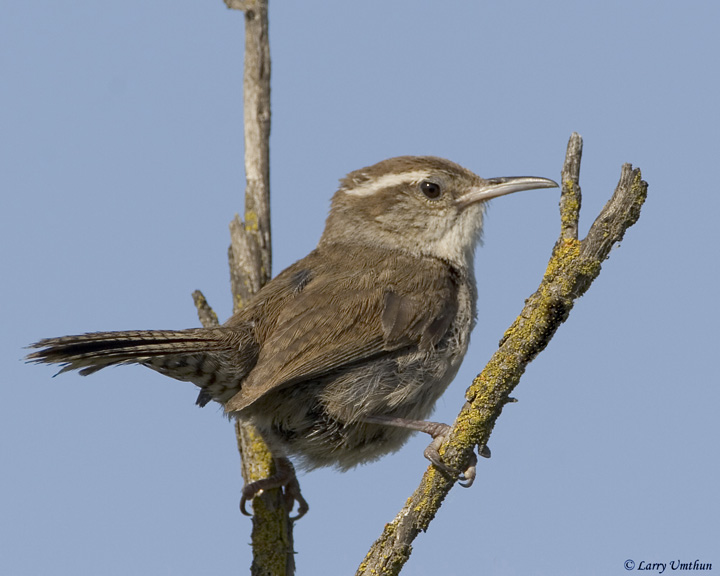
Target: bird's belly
{"x":320,"y":422}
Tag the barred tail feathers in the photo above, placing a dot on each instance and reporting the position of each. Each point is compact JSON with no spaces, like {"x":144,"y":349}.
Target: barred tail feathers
{"x":215,"y":359}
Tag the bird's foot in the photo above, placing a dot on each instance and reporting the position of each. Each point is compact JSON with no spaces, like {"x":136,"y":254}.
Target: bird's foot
{"x":439,"y":433}
{"x":284,"y":478}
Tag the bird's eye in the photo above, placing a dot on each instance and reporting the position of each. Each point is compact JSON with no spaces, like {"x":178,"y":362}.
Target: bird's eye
{"x":431,"y":190}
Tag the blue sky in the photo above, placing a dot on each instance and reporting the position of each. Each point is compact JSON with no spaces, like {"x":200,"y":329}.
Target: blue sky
{"x":121,"y":166}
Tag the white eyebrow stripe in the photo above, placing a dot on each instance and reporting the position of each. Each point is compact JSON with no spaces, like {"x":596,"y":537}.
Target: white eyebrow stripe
{"x":387,"y":181}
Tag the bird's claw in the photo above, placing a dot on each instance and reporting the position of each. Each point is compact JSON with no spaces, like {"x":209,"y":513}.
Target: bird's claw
{"x":284,"y":478}
{"x":440,"y":433}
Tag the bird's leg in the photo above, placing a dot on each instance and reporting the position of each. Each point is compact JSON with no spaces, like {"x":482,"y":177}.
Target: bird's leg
{"x":439,"y":433}
{"x":285,"y":478}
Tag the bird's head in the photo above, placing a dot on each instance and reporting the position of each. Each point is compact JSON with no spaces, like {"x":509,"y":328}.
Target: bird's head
{"x":420,"y":205}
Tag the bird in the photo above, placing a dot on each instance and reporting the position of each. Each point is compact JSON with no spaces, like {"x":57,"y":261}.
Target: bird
{"x":342,"y":356}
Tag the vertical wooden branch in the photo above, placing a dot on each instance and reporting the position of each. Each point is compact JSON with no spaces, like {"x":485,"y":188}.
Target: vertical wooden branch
{"x":250,"y":259}
{"x":250,"y":268}
{"x":250,"y":250}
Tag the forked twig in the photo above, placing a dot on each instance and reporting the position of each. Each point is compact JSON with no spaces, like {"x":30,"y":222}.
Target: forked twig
{"x":573,"y":265}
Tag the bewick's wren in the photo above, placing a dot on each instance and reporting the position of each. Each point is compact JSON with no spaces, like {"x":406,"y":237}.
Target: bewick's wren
{"x":343,"y":354}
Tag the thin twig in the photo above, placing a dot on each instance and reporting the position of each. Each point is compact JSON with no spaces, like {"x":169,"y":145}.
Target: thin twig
{"x":571,"y":197}
{"x":572,"y":267}
{"x":206,"y":314}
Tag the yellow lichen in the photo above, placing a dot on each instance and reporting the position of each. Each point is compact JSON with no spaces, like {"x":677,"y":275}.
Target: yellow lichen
{"x":251,"y":221}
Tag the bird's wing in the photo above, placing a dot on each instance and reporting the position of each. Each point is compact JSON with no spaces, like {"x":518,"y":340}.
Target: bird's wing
{"x":327,"y":327}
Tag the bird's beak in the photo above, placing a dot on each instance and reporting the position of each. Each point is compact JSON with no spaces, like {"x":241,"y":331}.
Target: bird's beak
{"x":494,"y":187}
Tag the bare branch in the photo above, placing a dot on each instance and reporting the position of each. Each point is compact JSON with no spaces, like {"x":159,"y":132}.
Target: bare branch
{"x":239,"y":4}
{"x":572,"y":267}
{"x":621,"y":212}
{"x":244,"y":257}
{"x":256,"y":94}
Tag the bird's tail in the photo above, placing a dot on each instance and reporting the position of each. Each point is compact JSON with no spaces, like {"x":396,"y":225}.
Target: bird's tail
{"x":216,"y":359}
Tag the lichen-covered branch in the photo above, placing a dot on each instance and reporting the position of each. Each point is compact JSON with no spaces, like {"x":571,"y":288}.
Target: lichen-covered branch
{"x":206,"y":314}
{"x":571,"y":197}
{"x":573,"y":265}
